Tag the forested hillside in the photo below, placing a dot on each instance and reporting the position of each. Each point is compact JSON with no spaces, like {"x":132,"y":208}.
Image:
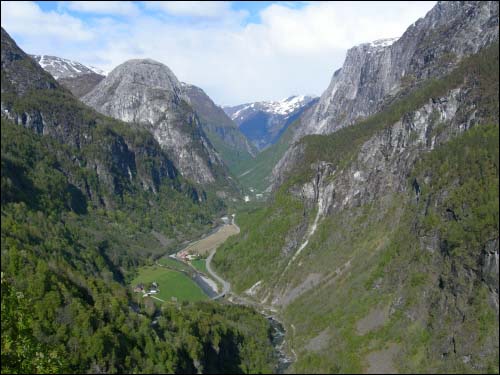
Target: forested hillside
{"x":81,"y":194}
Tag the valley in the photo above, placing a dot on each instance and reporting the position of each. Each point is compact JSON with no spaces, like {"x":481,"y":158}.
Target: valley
{"x":146,"y":228}
{"x":175,"y":279}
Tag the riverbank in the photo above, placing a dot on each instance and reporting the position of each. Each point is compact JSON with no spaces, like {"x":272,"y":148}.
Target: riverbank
{"x":208,"y":283}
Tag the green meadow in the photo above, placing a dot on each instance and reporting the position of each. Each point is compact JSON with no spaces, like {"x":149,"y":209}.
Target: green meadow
{"x":171,"y":284}
{"x":200,"y":265}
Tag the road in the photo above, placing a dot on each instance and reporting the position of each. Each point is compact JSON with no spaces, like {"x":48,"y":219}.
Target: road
{"x":284,"y":360}
{"x":226,"y":286}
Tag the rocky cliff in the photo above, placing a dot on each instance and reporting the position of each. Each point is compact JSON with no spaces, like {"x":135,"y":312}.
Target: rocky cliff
{"x":376,"y":74}
{"x":148,"y":93}
{"x":429,"y":48}
{"x":383,"y":251}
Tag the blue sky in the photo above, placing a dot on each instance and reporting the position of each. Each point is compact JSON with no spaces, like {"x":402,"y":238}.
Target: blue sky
{"x":236,"y":51}
{"x":252,"y":7}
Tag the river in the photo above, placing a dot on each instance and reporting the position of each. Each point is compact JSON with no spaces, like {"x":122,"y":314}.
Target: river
{"x":278,"y":333}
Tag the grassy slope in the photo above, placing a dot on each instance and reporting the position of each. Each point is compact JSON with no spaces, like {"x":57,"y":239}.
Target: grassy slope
{"x":232,"y":157}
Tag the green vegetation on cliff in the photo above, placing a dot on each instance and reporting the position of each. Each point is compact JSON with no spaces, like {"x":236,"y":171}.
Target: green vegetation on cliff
{"x":406,"y":280}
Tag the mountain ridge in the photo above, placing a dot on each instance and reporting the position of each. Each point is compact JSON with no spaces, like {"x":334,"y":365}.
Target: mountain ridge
{"x":220,"y":129}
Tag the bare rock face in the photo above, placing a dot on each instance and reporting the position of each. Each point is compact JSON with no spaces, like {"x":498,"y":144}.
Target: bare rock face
{"x":429,"y":48}
{"x":376,"y":73}
{"x":147,"y":92}
{"x":81,"y":85}
{"x":385,"y":161}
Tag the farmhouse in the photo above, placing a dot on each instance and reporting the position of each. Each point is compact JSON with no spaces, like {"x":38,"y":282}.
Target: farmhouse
{"x":139,"y":288}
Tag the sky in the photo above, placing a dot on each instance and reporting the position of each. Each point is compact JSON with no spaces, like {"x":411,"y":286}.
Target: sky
{"x":238,"y":52}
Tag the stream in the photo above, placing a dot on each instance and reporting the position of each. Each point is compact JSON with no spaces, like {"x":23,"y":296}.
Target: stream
{"x":278,"y":341}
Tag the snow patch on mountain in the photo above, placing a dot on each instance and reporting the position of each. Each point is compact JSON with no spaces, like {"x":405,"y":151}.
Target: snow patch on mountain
{"x":64,"y":68}
{"x":383,"y":42}
{"x":283,"y":107}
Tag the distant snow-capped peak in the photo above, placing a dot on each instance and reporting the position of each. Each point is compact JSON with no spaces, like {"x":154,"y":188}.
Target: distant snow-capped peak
{"x":283,"y":107}
{"x":287,"y":105}
{"x":64,"y":68}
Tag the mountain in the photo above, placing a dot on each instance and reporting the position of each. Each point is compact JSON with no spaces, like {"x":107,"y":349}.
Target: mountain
{"x":222,"y":132}
{"x":117,"y":160}
{"x":84,"y":197}
{"x":76,"y":77}
{"x":264,"y":122}
{"x":373,"y":73}
{"x":379,"y":242}
{"x":148,"y":93}
{"x":274,"y":125}
{"x":64,"y":68}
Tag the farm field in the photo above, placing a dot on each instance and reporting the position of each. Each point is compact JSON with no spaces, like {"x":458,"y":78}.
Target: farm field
{"x":204,"y":245}
{"x":171,"y":284}
{"x":167,"y":261}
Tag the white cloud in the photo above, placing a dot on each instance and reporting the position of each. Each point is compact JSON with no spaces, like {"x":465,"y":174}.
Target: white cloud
{"x":27,"y":19}
{"x":291,"y":51}
{"x":209,"y":9}
{"x":200,"y":13}
{"x":122,"y":8}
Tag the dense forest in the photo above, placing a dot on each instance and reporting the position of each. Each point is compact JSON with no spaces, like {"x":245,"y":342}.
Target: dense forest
{"x":81,"y":194}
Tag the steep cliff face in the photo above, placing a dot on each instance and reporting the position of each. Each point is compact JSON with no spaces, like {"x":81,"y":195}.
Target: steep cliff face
{"x":22,"y":74}
{"x":378,"y":73}
{"x":222,"y":132}
{"x":429,"y":48}
{"x":148,"y":93}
